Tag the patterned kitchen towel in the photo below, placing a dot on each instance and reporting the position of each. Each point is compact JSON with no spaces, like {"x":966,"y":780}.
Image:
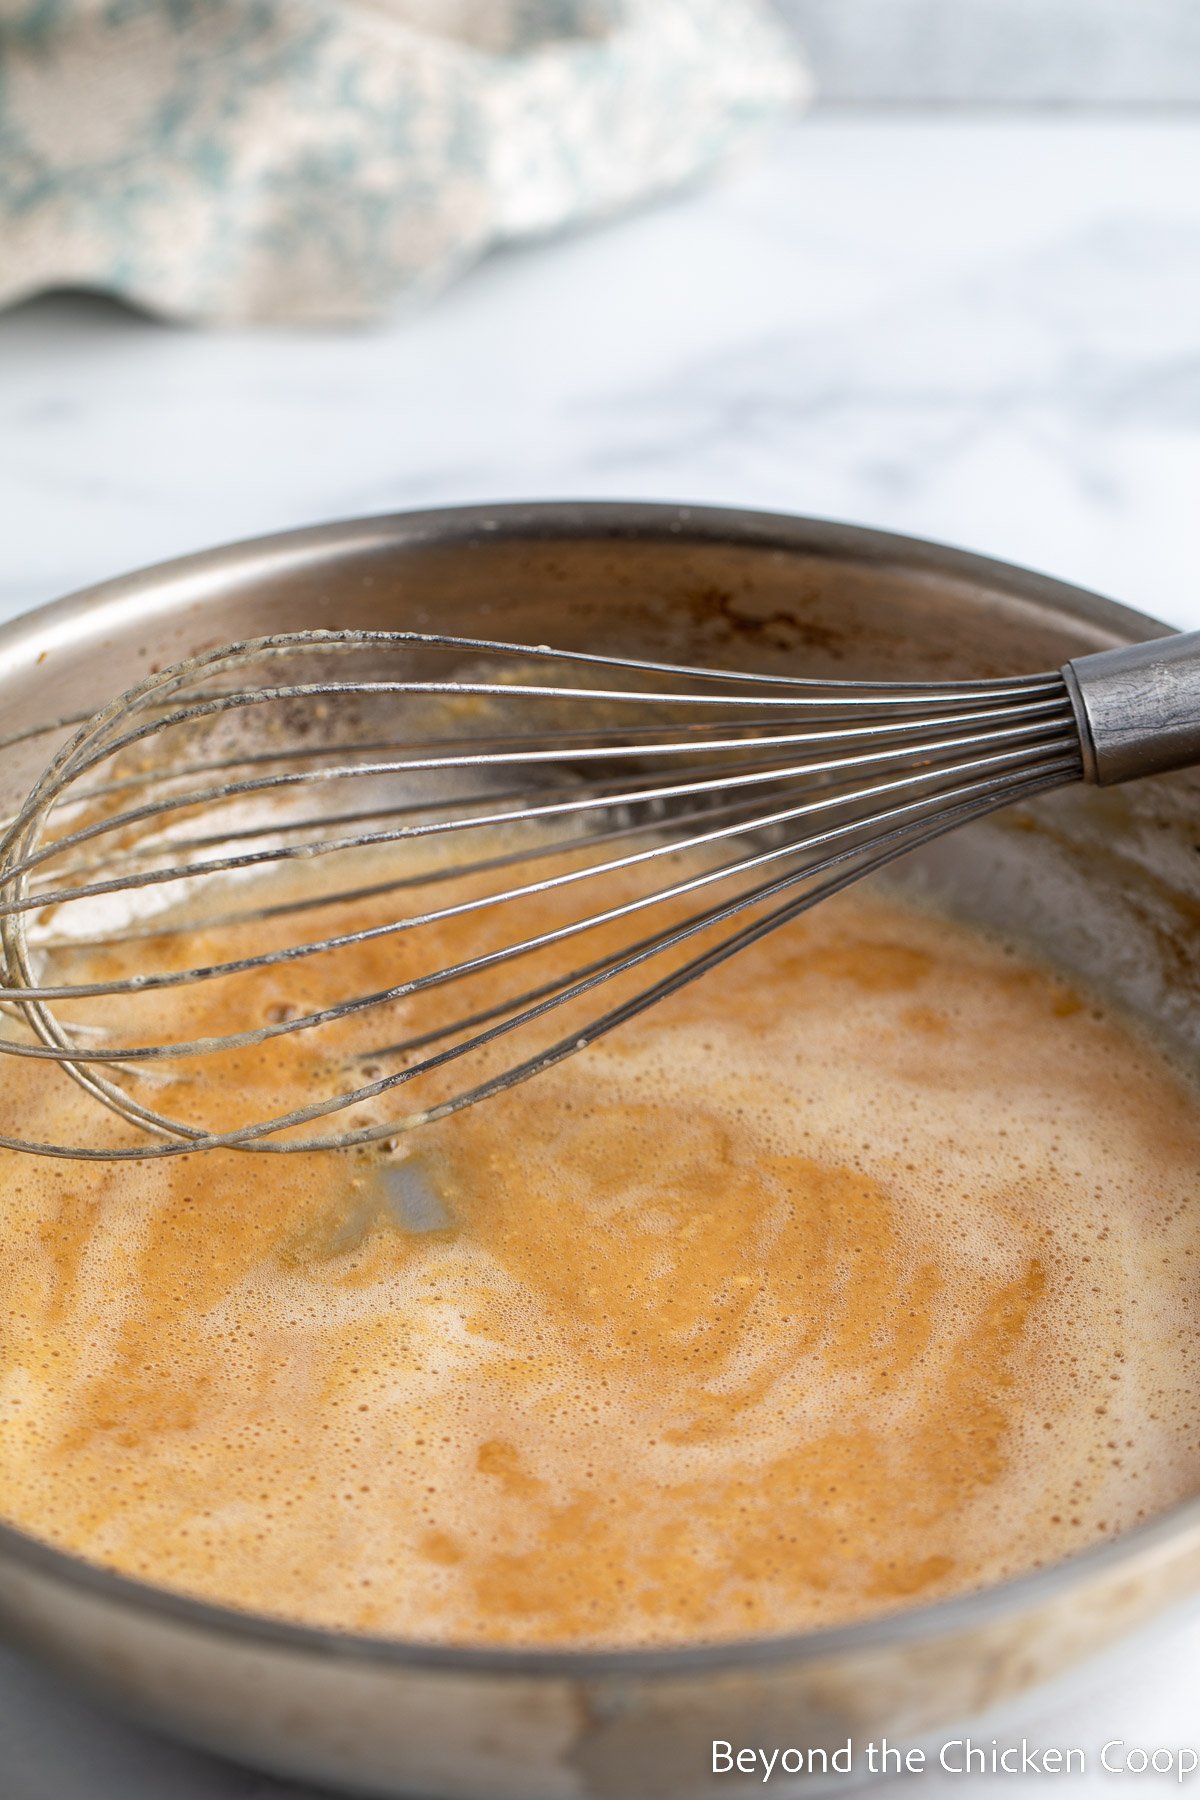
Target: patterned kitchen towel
{"x":310,"y":160}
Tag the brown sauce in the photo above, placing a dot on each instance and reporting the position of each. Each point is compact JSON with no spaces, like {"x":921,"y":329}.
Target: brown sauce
{"x":862,"y":1273}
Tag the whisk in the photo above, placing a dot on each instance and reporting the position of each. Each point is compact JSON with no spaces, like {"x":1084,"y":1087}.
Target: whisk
{"x":517,"y":849}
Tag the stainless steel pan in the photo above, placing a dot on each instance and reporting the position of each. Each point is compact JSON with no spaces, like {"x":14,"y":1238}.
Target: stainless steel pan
{"x":1106,"y":882}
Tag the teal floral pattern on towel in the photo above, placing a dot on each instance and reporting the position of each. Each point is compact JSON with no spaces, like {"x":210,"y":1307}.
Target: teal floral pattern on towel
{"x":312,"y":160}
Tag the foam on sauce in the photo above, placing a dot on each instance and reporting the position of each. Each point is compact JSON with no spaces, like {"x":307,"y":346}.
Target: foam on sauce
{"x":861,"y":1273}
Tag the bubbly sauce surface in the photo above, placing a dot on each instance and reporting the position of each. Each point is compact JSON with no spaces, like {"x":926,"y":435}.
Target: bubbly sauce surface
{"x":862,"y":1273}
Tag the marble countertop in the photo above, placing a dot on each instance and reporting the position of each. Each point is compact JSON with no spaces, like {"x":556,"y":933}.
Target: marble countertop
{"x":984,"y":331}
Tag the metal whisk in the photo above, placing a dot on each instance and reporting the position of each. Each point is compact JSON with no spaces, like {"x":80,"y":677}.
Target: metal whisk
{"x":319,"y":807}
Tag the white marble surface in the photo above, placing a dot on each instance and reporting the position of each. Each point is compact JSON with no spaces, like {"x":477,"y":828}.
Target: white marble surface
{"x":989,"y":333}
{"x":984,"y":332}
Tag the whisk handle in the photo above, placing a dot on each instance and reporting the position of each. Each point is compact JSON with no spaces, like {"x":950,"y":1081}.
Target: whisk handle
{"x":1138,"y":708}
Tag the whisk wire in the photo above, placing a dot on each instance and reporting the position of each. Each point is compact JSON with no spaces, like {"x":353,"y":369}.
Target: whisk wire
{"x":685,"y":782}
